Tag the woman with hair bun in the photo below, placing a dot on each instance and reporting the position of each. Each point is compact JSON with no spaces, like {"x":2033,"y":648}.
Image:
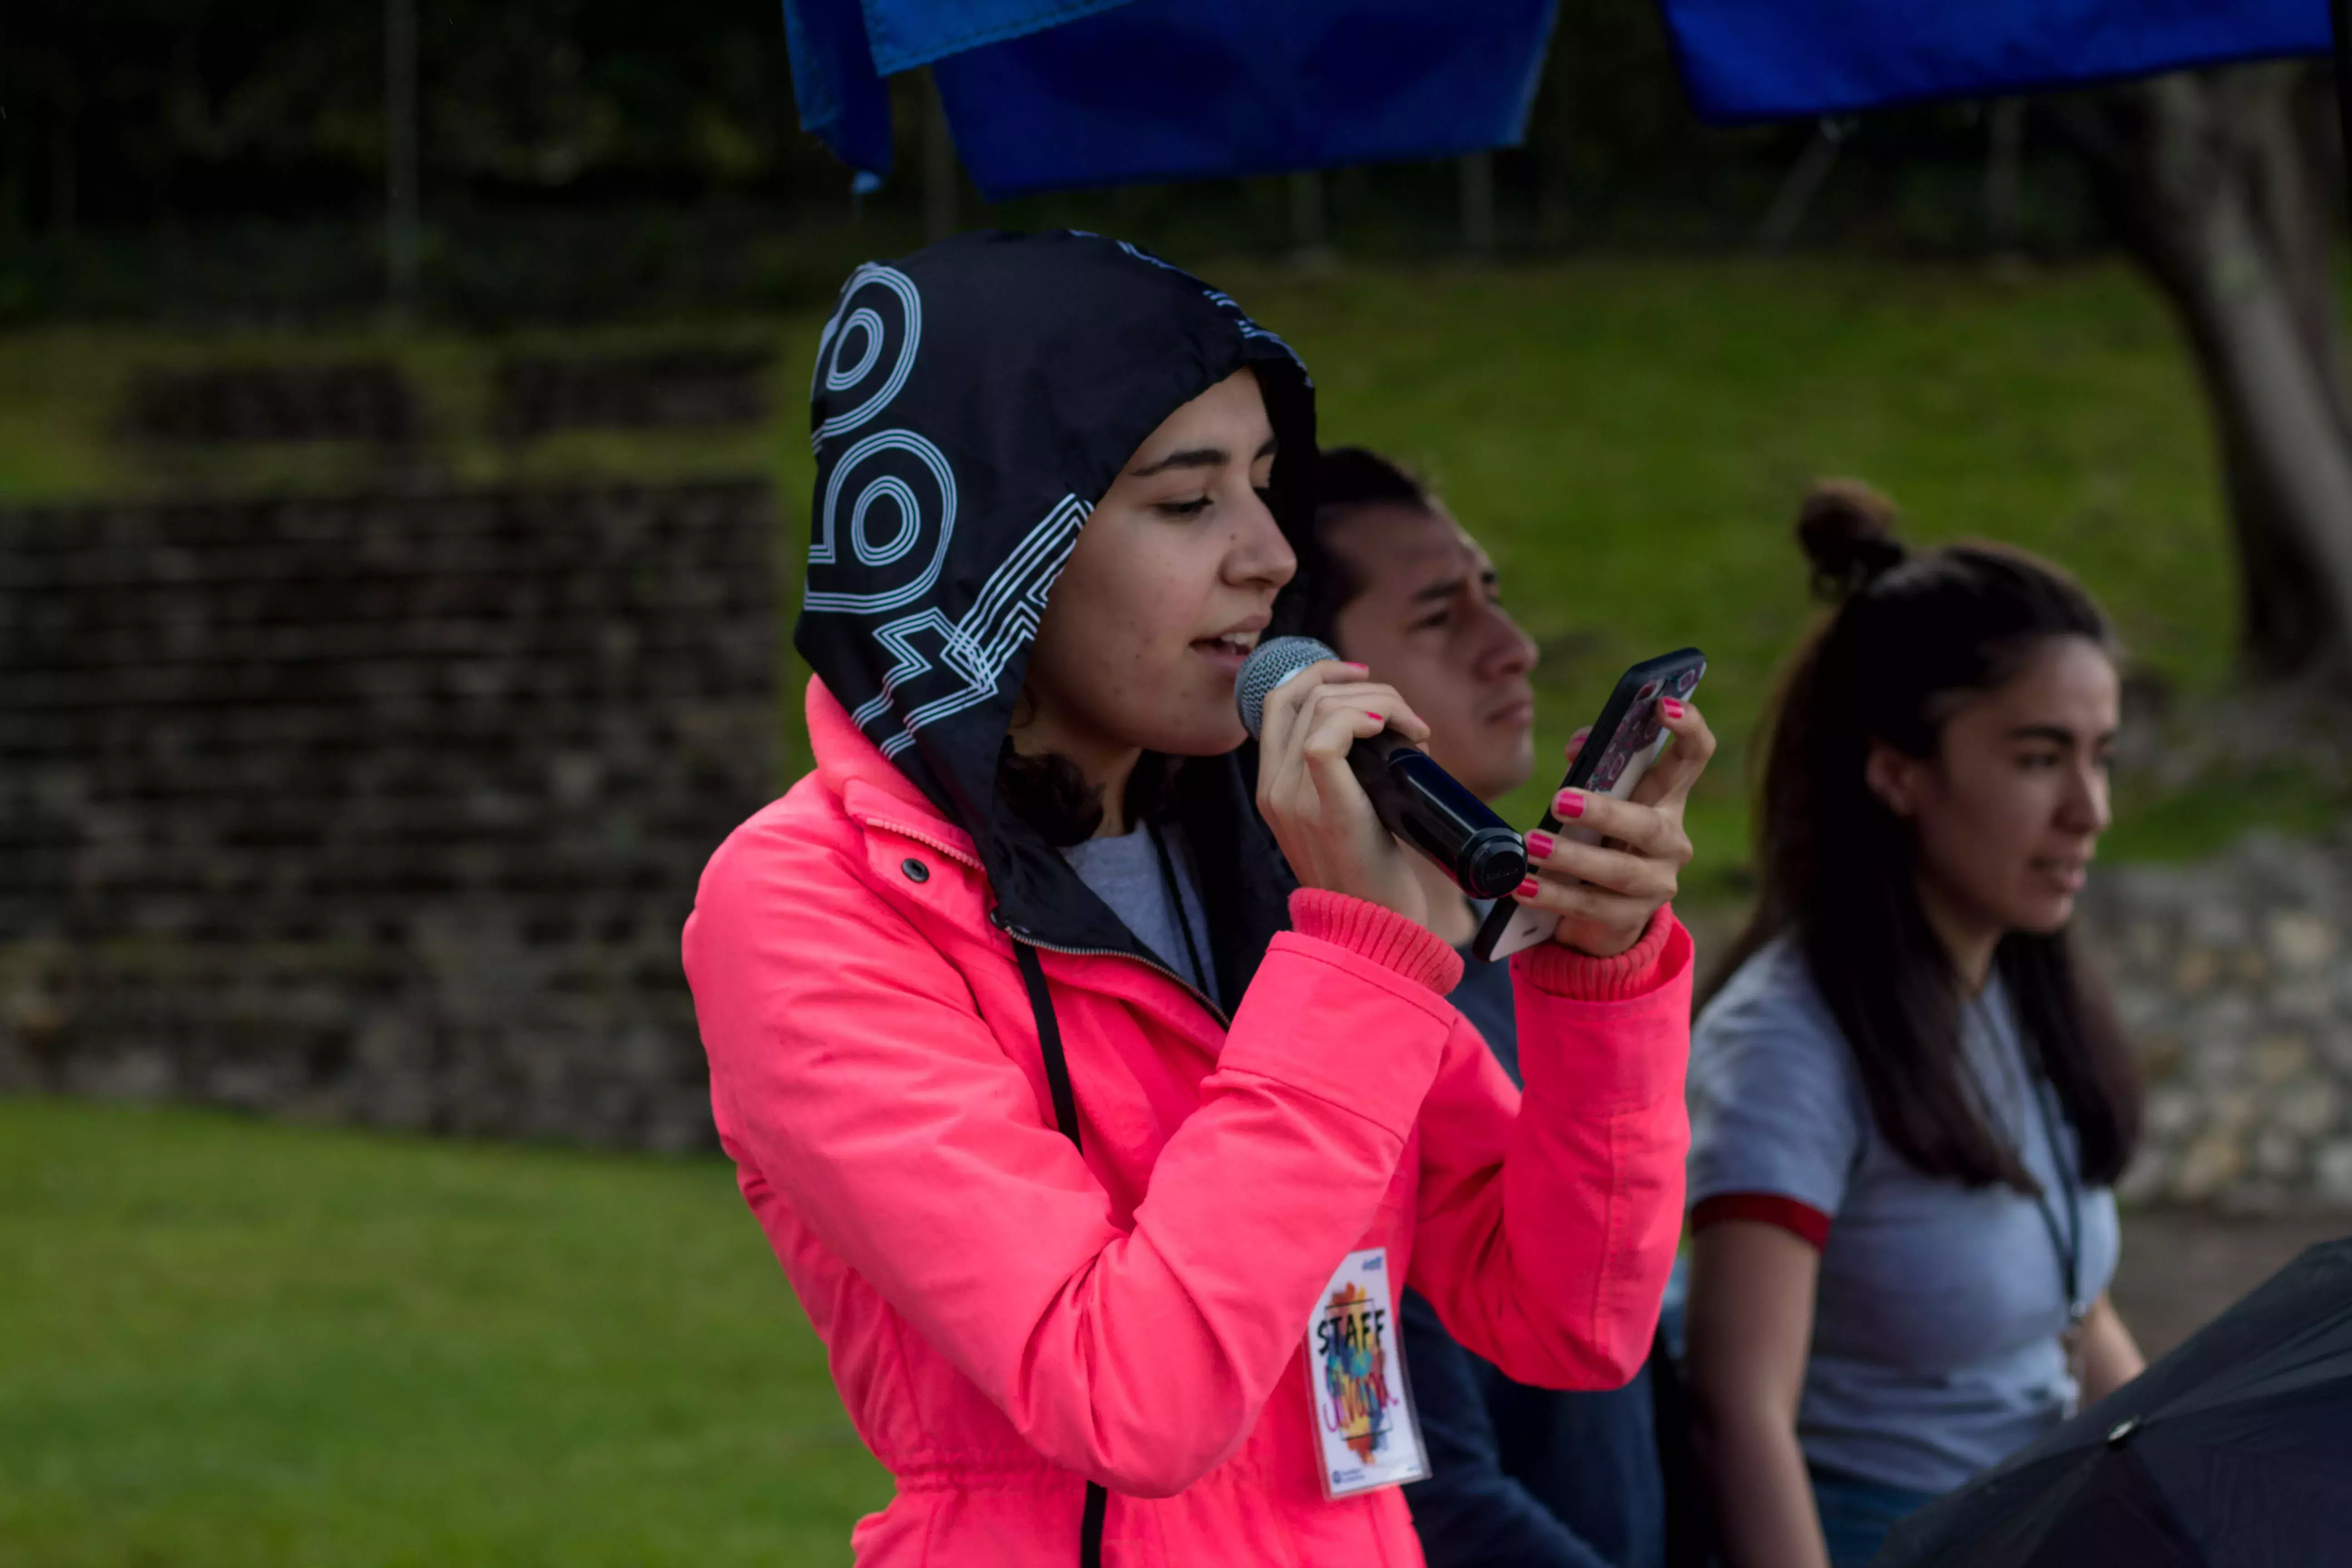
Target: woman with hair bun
{"x":1908,"y":1102}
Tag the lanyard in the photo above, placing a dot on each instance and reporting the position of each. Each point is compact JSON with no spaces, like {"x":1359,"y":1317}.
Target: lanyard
{"x":2070,"y":1251}
{"x":2067,"y":1244}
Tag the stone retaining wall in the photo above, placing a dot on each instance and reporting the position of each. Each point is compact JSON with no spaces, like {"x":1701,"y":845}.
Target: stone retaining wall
{"x":665,"y":389}
{"x":239,"y":404}
{"x":389,"y":809}
{"x":2232,"y":976}
{"x":385,"y":809}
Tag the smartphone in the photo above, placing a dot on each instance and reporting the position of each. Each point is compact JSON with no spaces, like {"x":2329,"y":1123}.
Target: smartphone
{"x":1625,"y":740}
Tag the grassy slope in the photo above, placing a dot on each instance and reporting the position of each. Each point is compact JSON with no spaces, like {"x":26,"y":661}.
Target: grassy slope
{"x":1629,"y":439}
{"x":226,"y":1344}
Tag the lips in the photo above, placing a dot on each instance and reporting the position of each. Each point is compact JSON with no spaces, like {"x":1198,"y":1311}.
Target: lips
{"x":1229,"y":650}
{"x":2068,"y":874}
{"x":1241,"y":645}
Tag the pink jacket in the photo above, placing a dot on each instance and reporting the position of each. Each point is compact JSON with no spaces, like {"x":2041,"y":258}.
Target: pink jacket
{"x":1006,"y":1319}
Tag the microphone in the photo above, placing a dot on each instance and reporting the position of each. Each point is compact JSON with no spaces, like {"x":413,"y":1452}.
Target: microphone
{"x":1418,"y":800}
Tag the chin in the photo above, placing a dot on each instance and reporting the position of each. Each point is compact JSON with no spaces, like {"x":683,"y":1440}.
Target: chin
{"x":2043,"y":917}
{"x":1491,"y":778}
{"x":1204,"y":736}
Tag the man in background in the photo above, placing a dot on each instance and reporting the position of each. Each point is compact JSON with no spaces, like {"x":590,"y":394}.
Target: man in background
{"x":1520,"y":1476}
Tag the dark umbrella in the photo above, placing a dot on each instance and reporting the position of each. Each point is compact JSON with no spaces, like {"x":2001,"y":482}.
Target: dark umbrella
{"x":2235,"y":1449}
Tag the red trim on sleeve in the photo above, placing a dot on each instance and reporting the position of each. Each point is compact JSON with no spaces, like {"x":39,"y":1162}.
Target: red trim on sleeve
{"x":1802,"y":1221}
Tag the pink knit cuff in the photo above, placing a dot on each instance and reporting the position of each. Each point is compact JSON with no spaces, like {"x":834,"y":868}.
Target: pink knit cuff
{"x":1382,"y":935}
{"x":1641,"y":969}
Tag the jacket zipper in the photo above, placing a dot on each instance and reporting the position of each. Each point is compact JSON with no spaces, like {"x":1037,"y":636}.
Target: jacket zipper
{"x":1021,"y":934}
{"x":924,"y":839}
{"x":996,"y":917}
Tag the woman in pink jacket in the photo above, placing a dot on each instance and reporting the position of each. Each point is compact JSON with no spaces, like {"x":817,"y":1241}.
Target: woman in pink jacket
{"x":1097,"y":1181}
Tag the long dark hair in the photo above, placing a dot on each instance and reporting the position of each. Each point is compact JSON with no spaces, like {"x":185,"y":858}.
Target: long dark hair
{"x":1911,"y":637}
{"x":1049,"y":792}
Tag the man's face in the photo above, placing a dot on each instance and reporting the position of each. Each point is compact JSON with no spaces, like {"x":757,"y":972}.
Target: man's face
{"x":1429,"y":622}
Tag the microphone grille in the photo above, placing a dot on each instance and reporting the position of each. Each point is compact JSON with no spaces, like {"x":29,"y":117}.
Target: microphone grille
{"x":1272,"y":663}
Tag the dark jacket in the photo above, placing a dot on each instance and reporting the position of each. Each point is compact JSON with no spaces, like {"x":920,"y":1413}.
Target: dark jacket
{"x":1520,"y":1476}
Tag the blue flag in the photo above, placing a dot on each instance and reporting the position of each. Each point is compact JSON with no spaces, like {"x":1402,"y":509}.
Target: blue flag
{"x":1752,"y":59}
{"x":1045,"y":94}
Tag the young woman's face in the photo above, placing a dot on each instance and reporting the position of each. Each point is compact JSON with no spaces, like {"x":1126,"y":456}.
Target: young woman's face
{"x":2008,"y":813}
{"x":1172,"y":579}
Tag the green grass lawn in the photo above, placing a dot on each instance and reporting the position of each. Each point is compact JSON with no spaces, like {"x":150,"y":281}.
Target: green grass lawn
{"x":230,"y":1344}
{"x":1629,"y":438}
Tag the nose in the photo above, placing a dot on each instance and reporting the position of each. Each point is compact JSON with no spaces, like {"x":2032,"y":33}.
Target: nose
{"x":2086,"y":807}
{"x":1258,"y":554}
{"x":1505,"y":652}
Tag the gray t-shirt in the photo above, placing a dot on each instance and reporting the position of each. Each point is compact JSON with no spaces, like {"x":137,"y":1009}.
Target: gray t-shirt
{"x":1124,"y":873}
{"x":1936,"y":1326}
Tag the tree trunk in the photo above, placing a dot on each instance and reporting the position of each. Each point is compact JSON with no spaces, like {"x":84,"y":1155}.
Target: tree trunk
{"x":2212,"y":183}
{"x":64,"y":161}
{"x":1803,"y":182}
{"x":940,"y":172}
{"x":1478,"y":177}
{"x":2004,"y":161}
{"x":401,"y":157}
{"x":1310,"y":235}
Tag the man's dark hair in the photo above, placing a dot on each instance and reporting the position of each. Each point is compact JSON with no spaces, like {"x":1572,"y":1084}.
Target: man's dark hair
{"x":1913,"y":635}
{"x":1349,"y":481}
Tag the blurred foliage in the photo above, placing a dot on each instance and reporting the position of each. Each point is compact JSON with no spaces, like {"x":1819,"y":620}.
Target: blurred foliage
{"x":137,"y":111}
{"x":226,"y":1344}
{"x":586,"y":158}
{"x":2211,"y":811}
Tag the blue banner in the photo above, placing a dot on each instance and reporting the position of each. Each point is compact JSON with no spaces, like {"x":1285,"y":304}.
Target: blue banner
{"x":1079,"y":94}
{"x":1754,"y":59}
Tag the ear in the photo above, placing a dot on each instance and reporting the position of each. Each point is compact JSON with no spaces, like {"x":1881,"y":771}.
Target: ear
{"x":1894,"y":778}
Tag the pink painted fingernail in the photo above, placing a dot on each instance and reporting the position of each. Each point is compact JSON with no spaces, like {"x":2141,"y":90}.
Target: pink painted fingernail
{"x":1569,"y":803}
{"x":1375,"y":715}
{"x":1673,"y":708}
{"x":1539,"y":845}
{"x":1358,"y":668}
{"x":1527,"y":889}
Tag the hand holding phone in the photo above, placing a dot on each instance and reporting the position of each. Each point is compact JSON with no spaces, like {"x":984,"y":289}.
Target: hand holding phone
{"x":1618,"y":752}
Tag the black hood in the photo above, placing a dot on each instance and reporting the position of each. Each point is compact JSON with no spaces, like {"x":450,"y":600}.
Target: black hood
{"x":971,"y":402}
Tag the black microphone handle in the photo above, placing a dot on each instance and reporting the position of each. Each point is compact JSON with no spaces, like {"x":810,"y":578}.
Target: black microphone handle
{"x":1424,"y":805}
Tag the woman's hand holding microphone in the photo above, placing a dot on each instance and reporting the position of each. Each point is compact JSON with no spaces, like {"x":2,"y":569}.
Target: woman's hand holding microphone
{"x":1605,"y":893}
{"x":1319,"y":814}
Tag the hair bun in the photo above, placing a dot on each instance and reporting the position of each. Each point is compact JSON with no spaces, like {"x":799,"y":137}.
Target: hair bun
{"x":1847,"y":531}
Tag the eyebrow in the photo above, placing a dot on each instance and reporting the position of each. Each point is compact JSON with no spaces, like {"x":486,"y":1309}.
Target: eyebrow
{"x":1196,"y":457}
{"x":2056,"y":734}
{"x":1453,"y":586}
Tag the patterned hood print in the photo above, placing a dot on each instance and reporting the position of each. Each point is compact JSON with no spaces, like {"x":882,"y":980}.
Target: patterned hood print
{"x":971,"y":404}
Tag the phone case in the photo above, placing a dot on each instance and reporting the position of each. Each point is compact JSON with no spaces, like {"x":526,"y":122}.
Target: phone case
{"x":1634,"y":738}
